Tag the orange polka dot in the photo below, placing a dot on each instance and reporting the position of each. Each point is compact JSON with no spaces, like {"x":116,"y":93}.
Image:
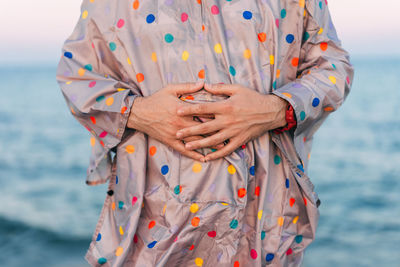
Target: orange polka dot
{"x":136,"y":4}
{"x":323,"y":46}
{"x":328,"y":108}
{"x":130,"y":149}
{"x":280,"y":220}
{"x":242,"y":192}
{"x":287,"y":94}
{"x":93,"y":119}
{"x":203,"y":28}
{"x":102,"y":143}
{"x":152,"y":224}
{"x":201,"y":74}
{"x":113,"y":206}
{"x":295,"y":61}
{"x":152,"y":150}
{"x":199,"y":2}
{"x":262,"y":36}
{"x":140,"y":77}
{"x":81,"y":71}
{"x":195,"y":221}
{"x":109,"y":101}
{"x":123,"y":109}
{"x":278,"y":73}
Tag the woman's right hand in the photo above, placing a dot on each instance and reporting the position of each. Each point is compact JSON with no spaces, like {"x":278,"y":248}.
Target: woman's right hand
{"x":156,"y":116}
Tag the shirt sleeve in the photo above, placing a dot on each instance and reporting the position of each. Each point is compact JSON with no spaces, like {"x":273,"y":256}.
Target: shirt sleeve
{"x":97,"y":88}
{"x":324,"y":73}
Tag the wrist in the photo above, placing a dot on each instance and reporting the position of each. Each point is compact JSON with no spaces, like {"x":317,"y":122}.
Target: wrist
{"x":134,"y":110}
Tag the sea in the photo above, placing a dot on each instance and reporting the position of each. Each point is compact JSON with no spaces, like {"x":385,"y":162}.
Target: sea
{"x":48,"y":214}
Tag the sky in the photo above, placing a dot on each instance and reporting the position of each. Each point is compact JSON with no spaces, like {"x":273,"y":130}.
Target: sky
{"x":34,"y":31}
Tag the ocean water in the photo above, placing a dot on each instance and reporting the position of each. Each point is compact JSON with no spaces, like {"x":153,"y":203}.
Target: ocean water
{"x":48,"y":214}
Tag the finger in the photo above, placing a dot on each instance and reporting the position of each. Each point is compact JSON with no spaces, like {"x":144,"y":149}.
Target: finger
{"x":183,"y":88}
{"x":233,"y":144}
{"x":200,"y":129}
{"x":221,"y":88}
{"x":210,"y":141}
{"x":197,"y":137}
{"x":201,"y":109}
{"x":180,"y":147}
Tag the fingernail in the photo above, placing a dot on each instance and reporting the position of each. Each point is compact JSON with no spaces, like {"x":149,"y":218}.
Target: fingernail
{"x":202,"y":160}
{"x":179,"y":134}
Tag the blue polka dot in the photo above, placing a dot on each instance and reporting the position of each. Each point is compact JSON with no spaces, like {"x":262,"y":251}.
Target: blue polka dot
{"x":98,"y":237}
{"x":152,"y":244}
{"x":298,"y":238}
{"x":252,"y":170}
{"x":300,"y":167}
{"x":168,"y":38}
{"x":315,"y":102}
{"x":113,"y":46}
{"x":177,"y":189}
{"x":232,"y":70}
{"x":302,"y":115}
{"x":120,"y":205}
{"x":269,"y":257}
{"x":234,"y":223}
{"x":247,"y":14}
{"x":68,"y":54}
{"x":102,"y":260}
{"x":89,"y":67}
{"x":287,"y":183}
{"x":290,"y":38}
{"x":283,"y":13}
{"x":298,"y":174}
{"x":164,"y":169}
{"x":150,"y":18}
{"x":116,"y":179}
{"x":262,"y":235}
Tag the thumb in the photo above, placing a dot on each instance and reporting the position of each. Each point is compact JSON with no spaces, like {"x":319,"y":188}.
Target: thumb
{"x":183,"y":88}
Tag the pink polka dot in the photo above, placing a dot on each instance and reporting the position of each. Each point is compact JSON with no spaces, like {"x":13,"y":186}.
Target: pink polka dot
{"x":215,"y":10}
{"x":92,"y":84}
{"x":277,"y":23}
{"x":134,"y":199}
{"x":348,"y":79}
{"x":120,"y":23}
{"x":184,"y":17}
{"x":103,"y":134}
{"x":253,"y":254}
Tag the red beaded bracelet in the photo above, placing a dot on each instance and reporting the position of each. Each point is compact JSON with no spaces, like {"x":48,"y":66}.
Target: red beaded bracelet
{"x":290,"y":120}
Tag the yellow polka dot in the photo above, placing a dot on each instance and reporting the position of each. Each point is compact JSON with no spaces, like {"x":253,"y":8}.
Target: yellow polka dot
{"x":69,"y":82}
{"x":92,"y":141}
{"x":165,"y":207}
{"x":224,"y":204}
{"x":247,"y":53}
{"x":109,"y":101}
{"x":259,"y":215}
{"x":120,"y":89}
{"x":332,"y":79}
{"x":130,"y":149}
{"x":129,"y":61}
{"x":320,"y":30}
{"x":85,"y":14}
{"x":198,"y":261}
{"x":121,"y":231}
{"x":287,"y":94}
{"x":301,"y":3}
{"x":194,"y":208}
{"x":81,"y":71}
{"x":118,"y":251}
{"x":185,"y":55}
{"x":280,"y":221}
{"x":278,"y":73}
{"x":113,"y":206}
{"x":271,"y":59}
{"x":196,"y":167}
{"x":231,"y":169}
{"x":218,"y":48}
{"x":91,"y":1}
{"x":154,"y":56}
{"x":304,"y":13}
{"x":295,"y":219}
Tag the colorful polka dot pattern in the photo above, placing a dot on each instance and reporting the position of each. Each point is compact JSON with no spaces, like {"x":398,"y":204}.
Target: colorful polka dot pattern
{"x":85,"y":85}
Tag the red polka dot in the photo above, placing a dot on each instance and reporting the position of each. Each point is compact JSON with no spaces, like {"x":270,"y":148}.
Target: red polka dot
{"x":212,"y":234}
{"x":140,"y":77}
{"x":152,"y":224}
{"x":191,"y":247}
{"x":93,"y":119}
{"x":253,"y":254}
{"x":295,"y":61}
{"x":103,"y":134}
{"x":289,"y":251}
{"x":305,"y":201}
{"x":134,"y":199}
{"x":242,"y":192}
{"x":236,"y":264}
{"x":257,"y":191}
{"x":135,"y":238}
{"x":323,"y":46}
{"x":291,"y":202}
{"x":262,"y":36}
{"x":123,"y":109}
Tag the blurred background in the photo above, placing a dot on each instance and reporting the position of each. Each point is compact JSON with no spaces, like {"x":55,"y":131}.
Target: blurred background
{"x":48,"y":214}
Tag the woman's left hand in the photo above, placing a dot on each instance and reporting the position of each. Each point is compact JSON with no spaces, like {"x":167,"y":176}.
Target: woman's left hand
{"x":242,"y":117}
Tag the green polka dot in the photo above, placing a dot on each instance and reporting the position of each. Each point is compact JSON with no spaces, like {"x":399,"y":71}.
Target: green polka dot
{"x":277,"y":159}
{"x":302,"y":115}
{"x":232,"y":70}
{"x":102,"y":260}
{"x":169,"y":38}
{"x":89,"y":67}
{"x":99,"y":98}
{"x":299,"y":238}
{"x":283,"y":13}
{"x":262,"y":235}
{"x":334,"y":66}
{"x":113,"y":46}
{"x":177,"y":189}
{"x":306,"y":36}
{"x":120,"y":205}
